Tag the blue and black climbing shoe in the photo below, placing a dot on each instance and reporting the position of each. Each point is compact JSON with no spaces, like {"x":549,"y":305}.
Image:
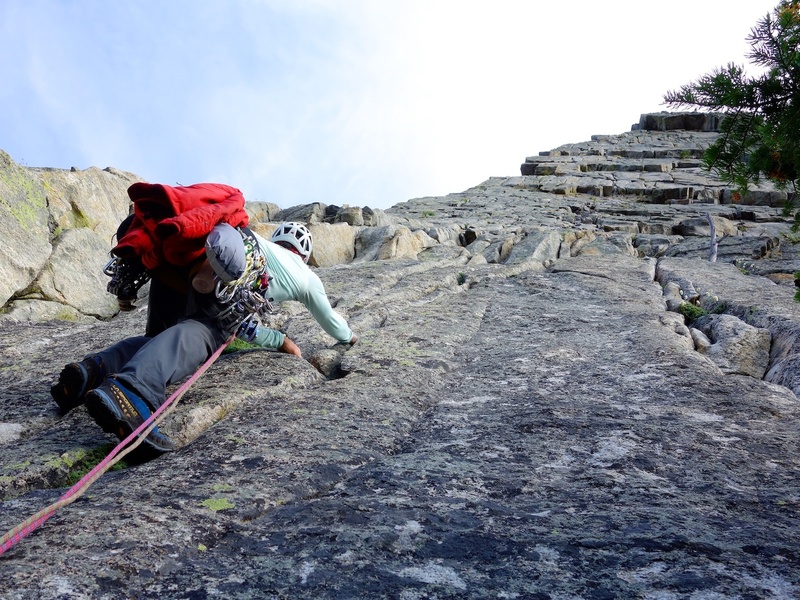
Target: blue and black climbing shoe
{"x":120,"y":411}
{"x":75,"y":380}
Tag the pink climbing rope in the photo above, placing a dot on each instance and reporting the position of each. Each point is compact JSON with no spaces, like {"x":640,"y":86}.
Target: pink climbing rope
{"x":15,"y":535}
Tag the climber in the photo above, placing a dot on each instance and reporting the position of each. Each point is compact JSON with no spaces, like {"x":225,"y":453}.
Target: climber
{"x":227,"y":289}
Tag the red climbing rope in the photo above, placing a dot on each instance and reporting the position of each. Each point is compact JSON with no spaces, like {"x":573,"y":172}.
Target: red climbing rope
{"x":15,"y":535}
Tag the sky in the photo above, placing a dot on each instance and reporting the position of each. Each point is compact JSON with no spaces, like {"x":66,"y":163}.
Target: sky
{"x":357,"y":102}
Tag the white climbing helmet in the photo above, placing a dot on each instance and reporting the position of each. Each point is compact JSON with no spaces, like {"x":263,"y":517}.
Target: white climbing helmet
{"x":297,"y":235}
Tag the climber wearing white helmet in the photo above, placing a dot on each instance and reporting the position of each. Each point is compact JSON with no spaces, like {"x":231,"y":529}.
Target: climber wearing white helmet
{"x":290,"y":279}
{"x":230,"y":290}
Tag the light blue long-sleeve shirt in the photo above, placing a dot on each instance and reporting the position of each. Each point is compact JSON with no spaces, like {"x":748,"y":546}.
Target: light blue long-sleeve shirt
{"x":293,"y":280}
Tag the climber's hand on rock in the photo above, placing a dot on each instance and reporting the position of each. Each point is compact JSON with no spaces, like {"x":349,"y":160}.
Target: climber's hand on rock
{"x":289,"y":347}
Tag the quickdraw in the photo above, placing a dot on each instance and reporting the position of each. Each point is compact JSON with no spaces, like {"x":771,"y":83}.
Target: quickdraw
{"x":245,"y":299}
{"x":126,"y":279}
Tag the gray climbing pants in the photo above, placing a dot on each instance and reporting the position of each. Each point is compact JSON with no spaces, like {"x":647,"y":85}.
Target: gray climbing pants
{"x":182,"y":332}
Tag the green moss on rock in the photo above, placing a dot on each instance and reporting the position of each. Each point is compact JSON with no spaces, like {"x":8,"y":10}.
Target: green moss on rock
{"x":217,"y":504}
{"x":21,"y":196}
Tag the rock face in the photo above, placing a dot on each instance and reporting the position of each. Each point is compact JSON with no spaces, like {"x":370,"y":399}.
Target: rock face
{"x":530,"y":412}
{"x":56,"y":227}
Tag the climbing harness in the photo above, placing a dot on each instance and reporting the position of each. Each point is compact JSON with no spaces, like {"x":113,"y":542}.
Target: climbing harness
{"x":126,"y":278}
{"x":245,"y":298}
{"x":15,"y":535}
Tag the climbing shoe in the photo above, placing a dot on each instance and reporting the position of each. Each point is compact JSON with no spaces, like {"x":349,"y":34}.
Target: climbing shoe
{"x":75,"y":380}
{"x":120,"y":411}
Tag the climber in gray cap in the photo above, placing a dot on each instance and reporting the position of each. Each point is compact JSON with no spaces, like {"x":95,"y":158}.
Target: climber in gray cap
{"x":229,"y":292}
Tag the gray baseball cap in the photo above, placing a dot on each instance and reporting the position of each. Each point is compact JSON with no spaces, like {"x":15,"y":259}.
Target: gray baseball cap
{"x":225,"y":252}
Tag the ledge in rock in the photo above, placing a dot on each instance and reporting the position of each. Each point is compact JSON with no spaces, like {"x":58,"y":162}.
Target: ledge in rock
{"x":689,"y":121}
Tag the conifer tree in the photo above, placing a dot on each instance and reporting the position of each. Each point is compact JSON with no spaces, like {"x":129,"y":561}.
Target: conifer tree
{"x":761,"y":128}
